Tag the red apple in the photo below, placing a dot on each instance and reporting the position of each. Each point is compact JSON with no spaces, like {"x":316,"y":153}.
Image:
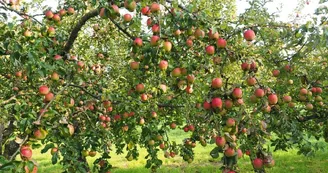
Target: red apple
{"x":229,"y":152}
{"x":251,"y":81}
{"x":51,"y":30}
{"x":189,"y":42}
{"x":176,"y":72}
{"x":303,"y":91}
{"x":62,"y":12}
{"x":245,"y":66}
{"x":48,"y":97}
{"x":127,"y":17}
{"x":220,"y":141}
{"x":287,"y":99}
{"x":216,"y":83}
{"x":26,"y":152}
{"x":228,"y":104}
{"x":199,"y":33}
{"x":57,"y":57}
{"x":257,"y":163}
{"x":173,"y":125}
{"x":43,"y":90}
{"x":154,"y":40}
{"x":134,"y":65}
{"x":155,"y":28}
{"x":163,"y":64}
{"x":249,"y":35}
{"x":145,"y":11}
{"x":140,"y":88}
{"x":55,"y":76}
{"x":54,"y":150}
{"x":206,"y":105}
{"x":221,"y":43}
{"x":230,"y":122}
{"x":49,"y":14}
{"x":216,"y":103}
{"x":237,"y":93}
{"x":273,"y":99}
{"x":275,"y":73}
{"x":191,"y":78}
{"x":56,"y":18}
{"x":138,"y":42}
{"x":210,"y":50}
{"x":259,"y":92}
{"x":70,"y":10}
{"x":154,"y":8}
{"x":144,"y":97}
{"x":239,"y":153}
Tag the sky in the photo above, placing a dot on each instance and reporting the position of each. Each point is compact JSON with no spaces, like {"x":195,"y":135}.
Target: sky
{"x":287,"y":12}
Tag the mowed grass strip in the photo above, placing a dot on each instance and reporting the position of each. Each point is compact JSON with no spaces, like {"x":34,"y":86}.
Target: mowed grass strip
{"x":203,"y":163}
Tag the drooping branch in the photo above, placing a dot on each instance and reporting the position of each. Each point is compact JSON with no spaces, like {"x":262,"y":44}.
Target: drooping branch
{"x":9,"y":100}
{"x":77,"y":28}
{"x":23,"y":15}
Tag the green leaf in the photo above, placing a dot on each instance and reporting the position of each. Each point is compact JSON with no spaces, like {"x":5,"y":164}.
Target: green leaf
{"x":47,"y":147}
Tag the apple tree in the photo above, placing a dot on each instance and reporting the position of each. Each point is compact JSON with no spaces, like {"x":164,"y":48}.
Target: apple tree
{"x":92,"y":76}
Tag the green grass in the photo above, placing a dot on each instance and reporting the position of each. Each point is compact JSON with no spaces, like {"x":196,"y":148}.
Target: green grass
{"x":285,"y":162}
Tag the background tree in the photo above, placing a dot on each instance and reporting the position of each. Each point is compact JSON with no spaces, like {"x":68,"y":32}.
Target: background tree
{"x":87,"y":77}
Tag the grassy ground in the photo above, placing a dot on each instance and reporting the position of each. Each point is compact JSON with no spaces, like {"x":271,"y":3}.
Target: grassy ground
{"x":285,"y":162}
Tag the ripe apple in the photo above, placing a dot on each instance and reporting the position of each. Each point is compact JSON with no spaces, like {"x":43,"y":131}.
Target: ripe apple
{"x":257,"y":163}
{"x":167,"y":46}
{"x":55,"y":76}
{"x":259,"y":92}
{"x":309,"y":106}
{"x":273,"y":99}
{"x":56,"y":17}
{"x":249,"y":35}
{"x":199,"y":33}
{"x":127,"y":17}
{"x":176,"y":72}
{"x":245,"y":66}
{"x":216,"y":103}
{"x":185,"y":128}
{"x":43,"y":90}
{"x":221,"y":43}
{"x":239,"y":153}
{"x":189,"y":42}
{"x":25,"y":152}
{"x":140,"y":88}
{"x":155,"y":28}
{"x":173,"y":125}
{"x":39,"y":134}
{"x":229,"y":152}
{"x":287,"y":99}
{"x":162,"y":146}
{"x":216,"y":83}
{"x":228,"y":104}
{"x":177,"y":32}
{"x":48,"y":97}
{"x":149,"y":22}
{"x":230,"y":122}
{"x":70,"y":10}
{"x":57,"y":57}
{"x":144,"y":97}
{"x":145,"y":11}
{"x":266,"y":109}
{"x":288,"y":68}
{"x":154,"y":40}
{"x":102,"y":118}
{"x":49,"y":14}
{"x":130,"y":5}
{"x":303,"y":91}
{"x":237,"y":93}
{"x":191,"y":78}
{"x":213,"y":36}
{"x":210,"y":50}
{"x":154,"y":8}
{"x":319,"y":90}
{"x":62,"y":12}
{"x":189,"y":89}
{"x":269,"y":164}
{"x":251,"y":81}
{"x":134,"y":65}
{"x":206,"y":105}
{"x":51,"y":30}
{"x":138,"y":42}
{"x":275,"y":73}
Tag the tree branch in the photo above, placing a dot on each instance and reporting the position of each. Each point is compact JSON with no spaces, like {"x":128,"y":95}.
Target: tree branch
{"x":122,"y":30}
{"x":7,"y":101}
{"x":86,"y":91}
{"x":23,"y":15}
{"x":77,"y":28}
{"x":16,"y":152}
